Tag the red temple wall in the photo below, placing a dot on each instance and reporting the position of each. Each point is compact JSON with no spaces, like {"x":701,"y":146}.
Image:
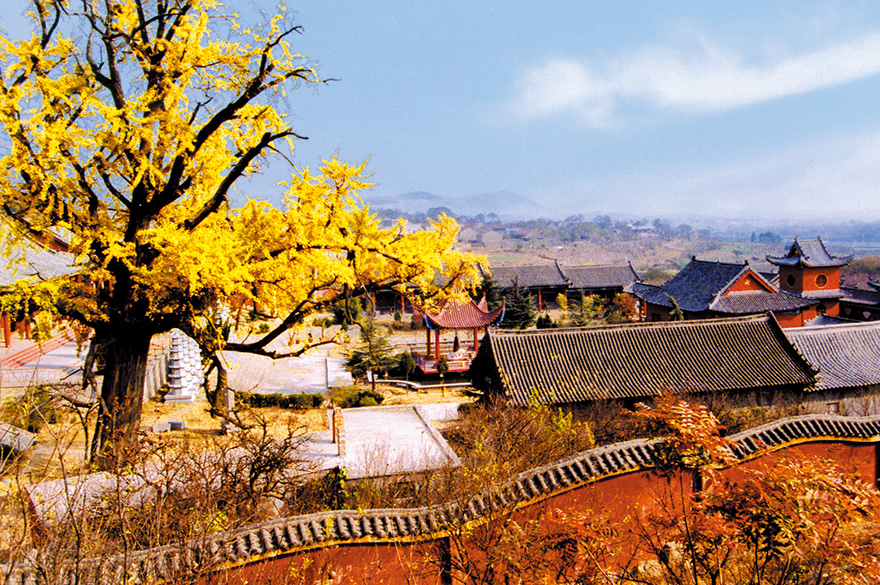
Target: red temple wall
{"x":403,"y":563}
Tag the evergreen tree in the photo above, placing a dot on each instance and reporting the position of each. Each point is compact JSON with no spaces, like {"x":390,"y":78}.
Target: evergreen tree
{"x":489,"y":290}
{"x":586,"y":311}
{"x":373,"y":353}
{"x":519,"y":312}
{"x":675,"y":313}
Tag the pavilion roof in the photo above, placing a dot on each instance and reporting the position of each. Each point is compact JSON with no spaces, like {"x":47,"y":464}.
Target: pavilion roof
{"x":809,"y":254}
{"x":455,"y":314}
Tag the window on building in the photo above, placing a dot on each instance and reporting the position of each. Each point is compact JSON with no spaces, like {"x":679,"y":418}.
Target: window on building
{"x":821,"y":281}
{"x":790,"y":280}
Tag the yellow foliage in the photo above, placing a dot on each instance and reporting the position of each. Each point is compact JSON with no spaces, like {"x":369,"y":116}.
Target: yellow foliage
{"x":130,"y":144}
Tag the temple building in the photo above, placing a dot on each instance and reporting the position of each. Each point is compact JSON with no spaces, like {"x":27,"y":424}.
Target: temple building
{"x":808,"y":271}
{"x":748,"y":358}
{"x":706,"y":290}
{"x":545,"y":282}
{"x":808,"y":287}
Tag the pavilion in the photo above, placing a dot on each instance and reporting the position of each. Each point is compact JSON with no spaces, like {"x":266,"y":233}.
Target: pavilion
{"x":453,"y":315}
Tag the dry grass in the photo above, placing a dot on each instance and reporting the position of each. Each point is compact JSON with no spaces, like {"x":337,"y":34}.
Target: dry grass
{"x":60,"y":447}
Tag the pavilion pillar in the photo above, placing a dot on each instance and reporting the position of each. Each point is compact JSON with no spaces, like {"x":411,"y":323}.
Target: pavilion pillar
{"x":437,"y":346}
{"x":428,"y":344}
{"x":7,"y":329}
{"x":476,"y":339}
{"x":539,"y":301}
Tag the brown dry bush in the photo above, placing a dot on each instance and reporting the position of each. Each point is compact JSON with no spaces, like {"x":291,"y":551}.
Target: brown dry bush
{"x":168,"y":494}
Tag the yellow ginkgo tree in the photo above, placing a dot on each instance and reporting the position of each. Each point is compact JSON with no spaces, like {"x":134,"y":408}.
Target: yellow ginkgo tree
{"x":125,"y":125}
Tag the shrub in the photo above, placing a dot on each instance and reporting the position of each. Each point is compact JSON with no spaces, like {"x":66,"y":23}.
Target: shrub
{"x":33,"y":409}
{"x":361,"y":398}
{"x":289,"y":401}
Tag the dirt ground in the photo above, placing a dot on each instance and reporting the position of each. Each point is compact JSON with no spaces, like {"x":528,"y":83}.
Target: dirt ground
{"x":60,"y":447}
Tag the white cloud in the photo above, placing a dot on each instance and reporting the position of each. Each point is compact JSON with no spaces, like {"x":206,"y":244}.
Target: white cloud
{"x":711,"y":80}
{"x":826,"y":179}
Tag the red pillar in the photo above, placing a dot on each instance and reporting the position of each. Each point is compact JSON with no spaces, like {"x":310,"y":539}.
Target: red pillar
{"x":539,"y":300}
{"x":428,"y":344}
{"x":7,"y":329}
{"x":476,"y":340}
{"x":437,"y":346}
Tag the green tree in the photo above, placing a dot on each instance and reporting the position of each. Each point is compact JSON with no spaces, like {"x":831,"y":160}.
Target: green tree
{"x":519,"y":311}
{"x":675,"y":313}
{"x":374,"y":352}
{"x":407,"y":364}
{"x":126,"y":125}
{"x":489,"y":290}
{"x":442,"y":368}
{"x":587,"y":310}
{"x":347,"y":312}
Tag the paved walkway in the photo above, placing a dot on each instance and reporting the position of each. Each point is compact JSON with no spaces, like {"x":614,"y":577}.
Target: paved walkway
{"x":387,"y":440}
{"x":312,"y":373}
{"x":25,"y":363}
{"x":380,"y":441}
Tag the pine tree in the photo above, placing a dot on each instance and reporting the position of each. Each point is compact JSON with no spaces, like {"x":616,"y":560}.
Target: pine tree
{"x":519,"y":312}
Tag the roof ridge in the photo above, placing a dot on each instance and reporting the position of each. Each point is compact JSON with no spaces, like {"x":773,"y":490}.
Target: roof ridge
{"x":756,"y":317}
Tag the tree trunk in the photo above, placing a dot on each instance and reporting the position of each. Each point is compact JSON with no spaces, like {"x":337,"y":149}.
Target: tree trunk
{"x":122,"y":395}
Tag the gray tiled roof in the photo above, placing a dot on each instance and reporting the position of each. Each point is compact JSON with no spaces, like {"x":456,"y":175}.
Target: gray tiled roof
{"x":698,"y":285}
{"x":600,"y":277}
{"x":848,"y":356}
{"x":639,"y":359}
{"x":860,"y":296}
{"x":535,"y":275}
{"x":288,"y":535}
{"x":810,"y":254}
{"x":751,"y":302}
{"x":35,"y":262}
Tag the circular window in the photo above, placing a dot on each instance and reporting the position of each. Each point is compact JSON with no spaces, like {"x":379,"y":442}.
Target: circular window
{"x":790,"y":280}
{"x":821,"y":280}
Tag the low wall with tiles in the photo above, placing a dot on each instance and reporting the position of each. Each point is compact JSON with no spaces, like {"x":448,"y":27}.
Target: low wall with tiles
{"x":389,"y":546}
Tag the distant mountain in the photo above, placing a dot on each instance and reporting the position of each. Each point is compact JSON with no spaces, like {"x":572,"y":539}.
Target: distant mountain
{"x":504,"y":204}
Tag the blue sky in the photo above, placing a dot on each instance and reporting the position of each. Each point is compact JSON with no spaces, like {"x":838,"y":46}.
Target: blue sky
{"x":745,"y":109}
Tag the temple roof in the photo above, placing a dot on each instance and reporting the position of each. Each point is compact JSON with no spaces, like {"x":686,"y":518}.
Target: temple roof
{"x":751,"y":302}
{"x":461,"y":315}
{"x":848,"y":356}
{"x":861,"y":296}
{"x":640,"y":359}
{"x":702,"y":285}
{"x":596,"y":277}
{"x":809,"y":254}
{"x":41,"y":263}
{"x":535,"y":275}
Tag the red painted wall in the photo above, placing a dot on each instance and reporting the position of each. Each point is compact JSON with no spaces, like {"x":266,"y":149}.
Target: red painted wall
{"x":747,"y":282}
{"x":402,"y":563}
